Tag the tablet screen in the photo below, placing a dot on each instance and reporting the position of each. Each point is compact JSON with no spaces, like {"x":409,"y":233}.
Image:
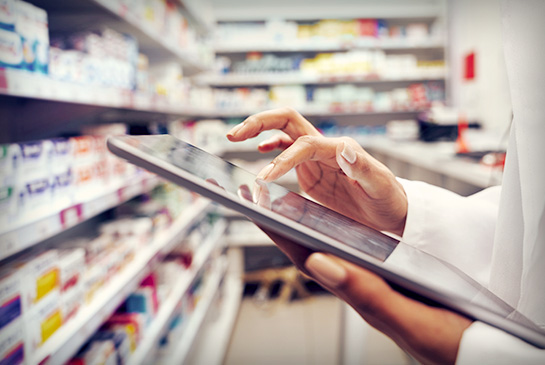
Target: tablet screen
{"x":242,"y":185}
{"x":400,"y":264}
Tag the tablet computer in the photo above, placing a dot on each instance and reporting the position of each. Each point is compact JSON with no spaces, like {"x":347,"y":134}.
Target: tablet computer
{"x":318,"y":228}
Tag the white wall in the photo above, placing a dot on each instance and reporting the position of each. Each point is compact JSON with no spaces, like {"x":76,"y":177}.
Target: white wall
{"x":476,"y":25}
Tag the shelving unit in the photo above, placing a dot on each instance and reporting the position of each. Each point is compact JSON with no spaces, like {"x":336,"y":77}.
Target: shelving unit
{"x":66,"y":341}
{"x":217,"y":334}
{"x":200,"y":13}
{"x":23,"y":84}
{"x":52,"y":220}
{"x":329,"y":45}
{"x":145,"y":352}
{"x":311,"y":112}
{"x":435,"y":163}
{"x":302,"y":51}
{"x":290,"y":78}
{"x":37,"y":106}
{"x":149,"y":36}
{"x":193,"y":325}
{"x":24,"y":95}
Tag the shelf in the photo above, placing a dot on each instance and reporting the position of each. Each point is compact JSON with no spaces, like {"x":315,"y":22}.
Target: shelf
{"x":52,"y":220}
{"x":329,"y":46}
{"x":142,"y":31}
{"x":145,"y":351}
{"x":200,"y":14}
{"x":194,"y":323}
{"x":66,"y":342}
{"x":437,"y":157}
{"x":244,"y":233}
{"x":24,"y":84}
{"x":218,"y":333}
{"x":20,"y":83}
{"x":291,"y":78}
{"x":308,"y":112}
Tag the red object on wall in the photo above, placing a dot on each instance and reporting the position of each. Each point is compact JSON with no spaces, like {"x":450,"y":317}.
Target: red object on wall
{"x":469,"y":66}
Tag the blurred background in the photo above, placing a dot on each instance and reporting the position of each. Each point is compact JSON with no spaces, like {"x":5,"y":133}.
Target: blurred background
{"x":103,"y":263}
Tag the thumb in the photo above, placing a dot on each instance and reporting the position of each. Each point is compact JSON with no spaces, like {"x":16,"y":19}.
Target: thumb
{"x":364,"y":290}
{"x":357,"y":166}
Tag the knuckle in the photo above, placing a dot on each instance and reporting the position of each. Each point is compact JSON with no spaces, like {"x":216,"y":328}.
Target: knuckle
{"x":281,"y":159}
{"x":251,"y":119}
{"x":307,"y":139}
{"x":349,"y":140}
{"x":364,"y":166}
{"x":288,"y":110}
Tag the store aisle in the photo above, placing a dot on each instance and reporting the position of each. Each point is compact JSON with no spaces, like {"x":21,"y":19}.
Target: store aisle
{"x":300,"y":332}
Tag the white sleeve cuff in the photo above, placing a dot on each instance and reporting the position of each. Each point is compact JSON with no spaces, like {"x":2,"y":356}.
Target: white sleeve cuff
{"x":483,"y":344}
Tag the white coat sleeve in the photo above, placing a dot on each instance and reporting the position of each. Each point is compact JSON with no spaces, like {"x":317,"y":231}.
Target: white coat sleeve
{"x":483,"y":344}
{"x":456,"y":229}
{"x":447,"y":226}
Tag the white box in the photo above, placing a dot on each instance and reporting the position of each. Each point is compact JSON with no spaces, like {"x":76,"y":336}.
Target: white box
{"x":42,"y":321}
{"x":40,"y":277}
{"x":71,"y":268}
{"x":72,"y":301}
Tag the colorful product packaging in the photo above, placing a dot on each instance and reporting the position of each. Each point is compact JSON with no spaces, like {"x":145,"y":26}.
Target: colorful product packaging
{"x":11,"y":47}
{"x":133,"y":323}
{"x":42,"y":321}
{"x":120,"y":340}
{"x":32,"y":26}
{"x":96,"y":352}
{"x":40,"y":277}
{"x":72,"y":269}
{"x":142,"y":301}
{"x":11,"y":292}
{"x":12,"y":345}
{"x":9,"y":190}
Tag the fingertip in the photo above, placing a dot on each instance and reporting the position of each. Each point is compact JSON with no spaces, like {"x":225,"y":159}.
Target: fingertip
{"x":265,"y":173}
{"x":265,"y":147}
{"x":231,"y":135}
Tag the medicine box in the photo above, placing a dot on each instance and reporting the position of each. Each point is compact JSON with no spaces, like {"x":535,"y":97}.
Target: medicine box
{"x":42,"y":321}
{"x":11,"y":306}
{"x":39,"y":275}
{"x":12,"y":349}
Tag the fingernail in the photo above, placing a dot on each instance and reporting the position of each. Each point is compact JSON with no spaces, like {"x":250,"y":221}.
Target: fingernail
{"x":235,"y":129}
{"x":256,"y":193}
{"x":325,"y":270}
{"x":260,"y":195}
{"x":348,"y":153}
{"x":265,"y":172}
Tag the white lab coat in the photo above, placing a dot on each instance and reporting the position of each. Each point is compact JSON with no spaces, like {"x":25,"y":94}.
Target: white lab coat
{"x":497,"y":236}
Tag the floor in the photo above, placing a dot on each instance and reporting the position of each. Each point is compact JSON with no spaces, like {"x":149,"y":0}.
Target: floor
{"x":305,"y":331}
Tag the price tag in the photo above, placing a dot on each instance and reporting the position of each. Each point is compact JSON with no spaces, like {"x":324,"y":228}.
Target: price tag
{"x":123,"y":10}
{"x":122,"y":194}
{"x":3,"y":79}
{"x":71,"y":216}
{"x":8,"y":244}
